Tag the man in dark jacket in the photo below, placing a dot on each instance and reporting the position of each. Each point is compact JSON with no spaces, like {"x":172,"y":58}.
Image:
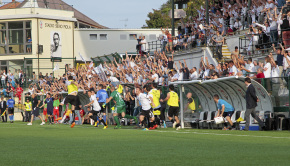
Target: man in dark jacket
{"x":3,"y":107}
{"x":251,"y":104}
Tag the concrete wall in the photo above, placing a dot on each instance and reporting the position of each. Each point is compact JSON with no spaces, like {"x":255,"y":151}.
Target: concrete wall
{"x":232,"y":42}
{"x":192,"y":59}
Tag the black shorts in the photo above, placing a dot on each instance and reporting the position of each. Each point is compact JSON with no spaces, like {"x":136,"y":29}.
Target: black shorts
{"x":10,"y":110}
{"x":49,"y":112}
{"x":71,"y":99}
{"x":103,"y":110}
{"x":96,"y":113}
{"x":35,"y":112}
{"x":225,"y":114}
{"x":147,"y":113}
{"x":173,"y":111}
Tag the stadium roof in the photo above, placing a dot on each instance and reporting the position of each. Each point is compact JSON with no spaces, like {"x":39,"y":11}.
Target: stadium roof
{"x":11,"y":5}
{"x":54,"y":4}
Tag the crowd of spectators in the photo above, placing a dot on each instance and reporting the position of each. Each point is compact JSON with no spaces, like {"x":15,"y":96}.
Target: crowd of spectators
{"x":10,"y":82}
{"x":225,"y":17}
{"x":266,"y":21}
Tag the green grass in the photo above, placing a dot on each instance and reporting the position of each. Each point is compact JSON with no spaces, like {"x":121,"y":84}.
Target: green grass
{"x":85,"y":145}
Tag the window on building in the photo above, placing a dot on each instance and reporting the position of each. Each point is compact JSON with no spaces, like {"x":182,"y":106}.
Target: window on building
{"x":103,"y":37}
{"x":132,"y":36}
{"x":15,"y":37}
{"x":123,"y":37}
{"x":28,"y":41}
{"x":2,"y":26}
{"x":3,"y":42}
{"x":93,"y":36}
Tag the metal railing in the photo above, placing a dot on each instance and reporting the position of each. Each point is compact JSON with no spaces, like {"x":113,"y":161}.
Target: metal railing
{"x":260,"y":44}
{"x":160,"y":45}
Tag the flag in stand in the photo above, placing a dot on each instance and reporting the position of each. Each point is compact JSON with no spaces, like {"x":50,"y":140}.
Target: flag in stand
{"x":91,"y":64}
{"x":82,"y":58}
{"x":56,"y":67}
{"x":102,"y":74}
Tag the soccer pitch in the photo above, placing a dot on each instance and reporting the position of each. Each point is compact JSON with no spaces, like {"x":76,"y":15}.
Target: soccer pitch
{"x":87,"y":145}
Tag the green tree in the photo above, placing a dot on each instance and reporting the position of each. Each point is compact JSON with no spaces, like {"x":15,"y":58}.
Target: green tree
{"x":160,"y":17}
{"x":157,"y":19}
{"x":193,"y":6}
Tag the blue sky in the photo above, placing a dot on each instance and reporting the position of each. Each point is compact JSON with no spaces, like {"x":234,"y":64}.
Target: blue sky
{"x":110,"y":12}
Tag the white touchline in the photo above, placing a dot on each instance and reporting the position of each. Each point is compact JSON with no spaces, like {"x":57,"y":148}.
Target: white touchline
{"x":220,"y":134}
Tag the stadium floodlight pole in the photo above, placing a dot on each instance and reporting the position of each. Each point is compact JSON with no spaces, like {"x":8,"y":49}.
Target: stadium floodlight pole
{"x":181,"y":90}
{"x":207,"y":19}
{"x":207,"y":13}
{"x":249,"y":8}
{"x":172,"y":21}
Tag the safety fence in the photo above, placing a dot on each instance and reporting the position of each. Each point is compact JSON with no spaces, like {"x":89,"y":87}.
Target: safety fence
{"x":259,"y":43}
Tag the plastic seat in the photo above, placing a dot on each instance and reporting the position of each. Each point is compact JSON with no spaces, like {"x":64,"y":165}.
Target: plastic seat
{"x":201,"y":115}
{"x":243,"y":116}
{"x":211,"y":120}
{"x":208,"y":119}
{"x":204,"y":118}
{"x":233,"y":118}
{"x":254,"y":120}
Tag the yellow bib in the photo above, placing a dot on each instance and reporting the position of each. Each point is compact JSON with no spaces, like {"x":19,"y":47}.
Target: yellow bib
{"x":156,"y":97}
{"x":120,"y":89}
{"x":156,"y":112}
{"x":28,"y":106}
{"x":173,"y":99}
{"x":192,"y":105}
{"x":72,"y":88}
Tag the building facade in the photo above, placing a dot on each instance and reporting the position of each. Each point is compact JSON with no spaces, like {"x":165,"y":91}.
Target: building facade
{"x":30,"y":38}
{"x":37,"y":36}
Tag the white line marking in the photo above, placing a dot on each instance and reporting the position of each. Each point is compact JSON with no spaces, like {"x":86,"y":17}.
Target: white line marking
{"x":220,"y":134}
{"x":161,"y":131}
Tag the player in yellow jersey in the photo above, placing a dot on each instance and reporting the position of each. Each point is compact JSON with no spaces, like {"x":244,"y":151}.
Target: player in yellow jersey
{"x":72,"y":87}
{"x":155,"y":94}
{"x":173,"y":102}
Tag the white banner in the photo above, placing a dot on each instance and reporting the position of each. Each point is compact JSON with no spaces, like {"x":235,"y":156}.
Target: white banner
{"x":82,"y":58}
{"x":56,"y":67}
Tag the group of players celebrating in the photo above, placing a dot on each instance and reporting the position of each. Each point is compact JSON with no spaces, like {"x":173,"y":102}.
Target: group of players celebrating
{"x":150,"y":117}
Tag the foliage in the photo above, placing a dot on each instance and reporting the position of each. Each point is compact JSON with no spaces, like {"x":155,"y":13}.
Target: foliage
{"x":193,"y":6}
{"x":158,"y":19}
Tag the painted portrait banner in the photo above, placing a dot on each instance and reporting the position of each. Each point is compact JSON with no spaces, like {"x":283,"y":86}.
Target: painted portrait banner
{"x":55,"y":44}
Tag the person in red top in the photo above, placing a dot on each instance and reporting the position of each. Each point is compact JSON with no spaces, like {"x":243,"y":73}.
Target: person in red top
{"x":82,"y":113}
{"x":19,"y":92}
{"x":259,"y":75}
{"x":169,"y":38}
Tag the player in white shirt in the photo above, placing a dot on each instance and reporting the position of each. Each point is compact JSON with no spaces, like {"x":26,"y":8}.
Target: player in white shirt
{"x":146,"y":108}
{"x":95,"y":112}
